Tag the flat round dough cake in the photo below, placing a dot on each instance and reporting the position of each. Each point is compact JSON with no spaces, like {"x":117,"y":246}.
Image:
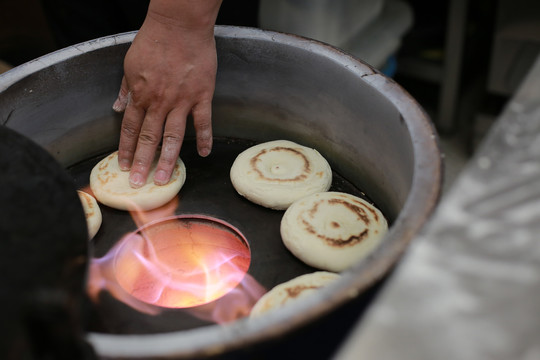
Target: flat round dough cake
{"x":110,"y":186}
{"x":92,"y":213}
{"x":276,"y":173}
{"x":332,"y":230}
{"x":292,"y":290}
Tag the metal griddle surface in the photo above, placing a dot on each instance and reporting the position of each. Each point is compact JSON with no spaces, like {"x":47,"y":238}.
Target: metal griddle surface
{"x":207,"y":190}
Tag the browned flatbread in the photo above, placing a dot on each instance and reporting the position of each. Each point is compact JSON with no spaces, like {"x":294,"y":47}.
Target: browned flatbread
{"x":92,"y":213}
{"x":292,"y":290}
{"x":276,"y":173}
{"x":332,"y":230}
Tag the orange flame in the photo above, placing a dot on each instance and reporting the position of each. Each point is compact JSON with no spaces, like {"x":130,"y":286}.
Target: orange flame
{"x":176,"y":264}
{"x":193,"y":262}
{"x":234,"y":305}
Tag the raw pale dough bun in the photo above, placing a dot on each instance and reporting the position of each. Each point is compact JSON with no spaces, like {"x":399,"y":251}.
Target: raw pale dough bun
{"x":292,"y":290}
{"x":332,"y":230}
{"x":111,"y":186}
{"x":92,"y":213}
{"x":276,"y":173}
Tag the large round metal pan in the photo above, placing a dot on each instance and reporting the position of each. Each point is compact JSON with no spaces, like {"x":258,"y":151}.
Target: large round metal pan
{"x":269,"y":86}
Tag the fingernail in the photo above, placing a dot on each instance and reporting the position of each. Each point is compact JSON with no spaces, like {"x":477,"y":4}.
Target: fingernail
{"x":136,"y":180}
{"x":160,"y":177}
{"x":117,"y":106}
{"x":121,"y":102}
{"x":204,"y":152}
{"x":124,"y":164}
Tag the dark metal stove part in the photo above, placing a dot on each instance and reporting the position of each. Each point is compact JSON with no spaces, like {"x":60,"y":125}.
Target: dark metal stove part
{"x":43,"y":255}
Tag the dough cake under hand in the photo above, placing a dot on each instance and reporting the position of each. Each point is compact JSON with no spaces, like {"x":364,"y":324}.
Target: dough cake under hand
{"x":332,"y":230}
{"x":110,"y":186}
{"x":276,"y":173}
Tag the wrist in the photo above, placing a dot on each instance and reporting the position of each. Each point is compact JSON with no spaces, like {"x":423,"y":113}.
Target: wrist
{"x":192,"y":15}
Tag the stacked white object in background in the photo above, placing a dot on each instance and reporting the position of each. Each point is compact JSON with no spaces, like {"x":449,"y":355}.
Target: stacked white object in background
{"x":370,"y":30}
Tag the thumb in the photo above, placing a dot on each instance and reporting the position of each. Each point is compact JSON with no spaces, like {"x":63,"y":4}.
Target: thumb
{"x":123,"y":97}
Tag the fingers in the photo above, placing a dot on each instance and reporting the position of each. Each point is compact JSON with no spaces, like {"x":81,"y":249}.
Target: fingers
{"x":129,"y":135}
{"x":173,"y":136}
{"x":147,"y":143}
{"x":202,"y":121}
{"x":142,"y":131}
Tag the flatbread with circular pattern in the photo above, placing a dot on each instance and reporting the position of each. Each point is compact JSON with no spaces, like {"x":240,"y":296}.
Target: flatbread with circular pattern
{"x":276,"y":173}
{"x":332,"y":230}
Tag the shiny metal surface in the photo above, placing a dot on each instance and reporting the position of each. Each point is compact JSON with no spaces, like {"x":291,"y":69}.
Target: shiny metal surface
{"x":469,"y":287}
{"x":269,"y":86}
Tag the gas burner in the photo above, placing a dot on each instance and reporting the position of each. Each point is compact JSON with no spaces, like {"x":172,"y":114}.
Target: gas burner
{"x":193,"y":262}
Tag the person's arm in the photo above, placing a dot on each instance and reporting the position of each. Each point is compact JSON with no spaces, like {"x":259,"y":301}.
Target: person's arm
{"x":169,"y":72}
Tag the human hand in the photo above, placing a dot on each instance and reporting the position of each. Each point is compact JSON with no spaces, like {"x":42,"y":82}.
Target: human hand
{"x":169,"y":72}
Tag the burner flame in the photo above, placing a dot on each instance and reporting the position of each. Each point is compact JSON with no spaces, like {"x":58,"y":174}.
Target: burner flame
{"x":174,"y":263}
{"x":191,"y":262}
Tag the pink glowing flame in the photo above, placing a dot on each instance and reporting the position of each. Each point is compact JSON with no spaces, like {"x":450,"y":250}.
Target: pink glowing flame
{"x":190,"y":262}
